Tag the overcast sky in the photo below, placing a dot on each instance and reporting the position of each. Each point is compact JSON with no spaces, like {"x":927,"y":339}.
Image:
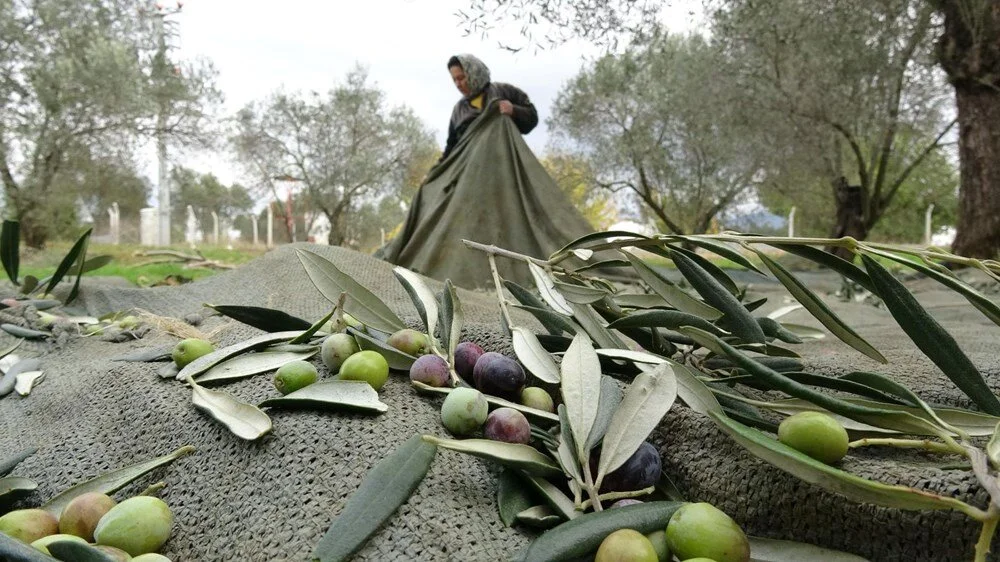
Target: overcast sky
{"x":304,"y":45}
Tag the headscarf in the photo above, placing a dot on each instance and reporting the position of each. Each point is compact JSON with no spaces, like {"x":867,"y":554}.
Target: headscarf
{"x":476,"y":73}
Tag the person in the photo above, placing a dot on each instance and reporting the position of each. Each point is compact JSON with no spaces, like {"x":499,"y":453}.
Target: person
{"x":488,"y":187}
{"x":472,"y":78}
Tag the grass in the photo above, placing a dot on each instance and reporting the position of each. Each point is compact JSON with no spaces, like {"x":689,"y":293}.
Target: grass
{"x":128,"y":263}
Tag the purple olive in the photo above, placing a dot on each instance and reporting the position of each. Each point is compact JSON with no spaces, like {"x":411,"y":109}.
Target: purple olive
{"x":430,"y":370}
{"x":466,"y":355}
{"x":508,"y":425}
{"x":641,"y":470}
{"x":499,"y":376}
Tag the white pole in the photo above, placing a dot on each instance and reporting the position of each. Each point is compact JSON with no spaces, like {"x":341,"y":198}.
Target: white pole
{"x":270,"y":227}
{"x":253,"y":220}
{"x":791,"y":223}
{"x":116,"y":225}
{"x":927,"y":224}
{"x":215,"y":228}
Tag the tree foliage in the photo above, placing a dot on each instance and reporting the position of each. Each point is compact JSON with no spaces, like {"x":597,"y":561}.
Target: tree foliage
{"x":852,"y":88}
{"x":205,"y":194}
{"x":659,"y":124}
{"x":345,"y":148}
{"x":575,"y":176}
{"x":84,"y":76}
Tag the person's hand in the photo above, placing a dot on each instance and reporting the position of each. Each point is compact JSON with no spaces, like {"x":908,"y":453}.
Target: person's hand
{"x":506,"y":108}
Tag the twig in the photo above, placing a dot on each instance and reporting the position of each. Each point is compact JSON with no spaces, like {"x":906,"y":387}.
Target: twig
{"x":193,"y":261}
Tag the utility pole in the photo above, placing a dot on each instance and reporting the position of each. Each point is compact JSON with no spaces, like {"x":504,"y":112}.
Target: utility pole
{"x":160,"y":14}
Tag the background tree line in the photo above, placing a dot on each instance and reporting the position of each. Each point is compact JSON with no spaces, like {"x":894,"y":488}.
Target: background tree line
{"x":845,"y":110}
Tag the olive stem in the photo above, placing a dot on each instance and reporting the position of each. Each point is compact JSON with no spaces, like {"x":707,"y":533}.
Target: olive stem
{"x":153,"y":489}
{"x":499,"y":288}
{"x":927,"y":445}
{"x":595,"y":497}
{"x":614,"y":496}
{"x":986,"y":536}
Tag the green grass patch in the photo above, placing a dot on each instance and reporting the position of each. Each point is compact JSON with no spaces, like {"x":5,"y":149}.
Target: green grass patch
{"x":129,"y":263}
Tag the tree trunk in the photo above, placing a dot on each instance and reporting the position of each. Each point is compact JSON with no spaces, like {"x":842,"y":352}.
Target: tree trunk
{"x":979,"y":152}
{"x":850,"y":216}
{"x":969,"y":52}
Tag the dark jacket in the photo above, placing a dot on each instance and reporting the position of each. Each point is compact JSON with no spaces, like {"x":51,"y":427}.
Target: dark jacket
{"x":525,"y":115}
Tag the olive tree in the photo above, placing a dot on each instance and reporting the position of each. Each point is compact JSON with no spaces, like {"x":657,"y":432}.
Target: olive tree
{"x":345,"y":148}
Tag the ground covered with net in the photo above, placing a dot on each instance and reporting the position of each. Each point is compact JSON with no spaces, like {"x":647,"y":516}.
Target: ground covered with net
{"x":273,"y":499}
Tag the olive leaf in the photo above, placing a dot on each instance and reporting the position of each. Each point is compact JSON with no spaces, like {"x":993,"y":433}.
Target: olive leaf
{"x":337,"y":394}
{"x":893,"y":388}
{"x":581,"y":389}
{"x":452,"y":308}
{"x":641,"y":301}
{"x":15,"y":550}
{"x":77,"y":253}
{"x":820,"y":310}
{"x":804,"y":332}
{"x":593,"y":324}
{"x":14,"y":487}
{"x":553,"y":495}
{"x":21,"y":332}
{"x":539,"y":517}
{"x":96,"y":262}
{"x":209,"y":360}
{"x":565,"y":452}
{"x":422,"y":297}
{"x":513,"y":455}
{"x":671,"y":292}
{"x":932,"y":339}
{"x":493,"y":400}
{"x":611,"y":398}
{"x":546,"y":288}
{"x":554,"y":322}
{"x":9,"y":379}
{"x":245,"y":421}
{"x":361,"y":303}
{"x":168,"y":370}
{"x":839,"y":383}
{"x":709,"y":267}
{"x":597,"y":237}
{"x":266,"y":319}
{"x":252,"y":364}
{"x":880,"y":417}
{"x":739,"y":320}
{"x":980,"y":301}
{"x":8,"y":464}
{"x":10,"y":240}
{"x":832,"y":261}
{"x":113,"y":481}
{"x":774,"y":329}
{"x":308,"y":333}
{"x":533,"y":356}
{"x":147,"y":355}
{"x":830,"y":478}
{"x":73,"y":551}
{"x":646,"y":401}
{"x":382,"y":491}
{"x":397,"y":360}
{"x":512,"y":497}
{"x":603,"y":264}
{"x":633,"y":356}
{"x":976,"y":424}
{"x":773,"y":550}
{"x":670,"y":319}
{"x":721,"y":249}
{"x":580,"y":294}
{"x":27,"y":381}
{"x":581,"y":536}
